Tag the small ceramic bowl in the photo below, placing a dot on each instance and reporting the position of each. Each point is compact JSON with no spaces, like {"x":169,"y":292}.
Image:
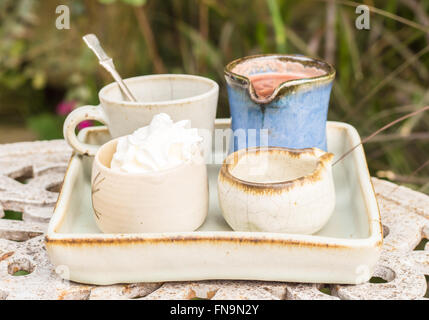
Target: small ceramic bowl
{"x":171,"y":200}
{"x":275,"y":189}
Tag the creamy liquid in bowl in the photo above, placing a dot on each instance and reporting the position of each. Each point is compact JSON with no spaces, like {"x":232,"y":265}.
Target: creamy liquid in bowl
{"x":277,"y":190}
{"x":272,"y":168}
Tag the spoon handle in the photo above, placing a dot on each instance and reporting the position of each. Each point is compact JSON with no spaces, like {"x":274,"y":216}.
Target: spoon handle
{"x":92,"y":42}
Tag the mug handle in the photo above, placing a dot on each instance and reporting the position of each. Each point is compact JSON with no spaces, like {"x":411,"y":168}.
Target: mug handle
{"x":73,"y":119}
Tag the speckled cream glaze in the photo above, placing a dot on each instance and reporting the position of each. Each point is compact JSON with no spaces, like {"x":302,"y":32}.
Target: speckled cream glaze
{"x":300,"y":205}
{"x":174,"y":199}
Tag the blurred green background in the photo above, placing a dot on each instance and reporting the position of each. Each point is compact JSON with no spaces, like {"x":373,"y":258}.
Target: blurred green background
{"x":382,"y":73}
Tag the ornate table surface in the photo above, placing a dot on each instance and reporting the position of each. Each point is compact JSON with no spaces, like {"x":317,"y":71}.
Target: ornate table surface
{"x":31,"y":174}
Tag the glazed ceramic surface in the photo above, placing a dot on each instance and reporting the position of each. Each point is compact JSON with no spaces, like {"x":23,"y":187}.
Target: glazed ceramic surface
{"x":277,"y":190}
{"x":183,"y":97}
{"x":294,"y":115}
{"x":175,"y":199}
{"x":345,"y":250}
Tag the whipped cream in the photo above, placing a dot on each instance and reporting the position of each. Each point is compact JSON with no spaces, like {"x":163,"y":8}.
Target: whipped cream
{"x":161,"y":145}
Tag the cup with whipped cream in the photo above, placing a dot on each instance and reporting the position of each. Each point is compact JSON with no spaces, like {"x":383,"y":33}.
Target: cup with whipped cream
{"x":153,"y":180}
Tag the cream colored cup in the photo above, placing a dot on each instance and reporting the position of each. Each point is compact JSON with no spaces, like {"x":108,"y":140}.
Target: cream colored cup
{"x":182,"y":97}
{"x":275,"y":189}
{"x":171,"y":200}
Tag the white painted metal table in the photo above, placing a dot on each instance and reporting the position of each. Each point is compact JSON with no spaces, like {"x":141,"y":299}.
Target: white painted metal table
{"x":30,"y":177}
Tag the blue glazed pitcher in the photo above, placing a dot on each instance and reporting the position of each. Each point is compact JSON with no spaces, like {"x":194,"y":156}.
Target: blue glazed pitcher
{"x":294,"y":115}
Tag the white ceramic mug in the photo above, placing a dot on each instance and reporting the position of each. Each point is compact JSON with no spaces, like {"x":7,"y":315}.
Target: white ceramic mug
{"x":170,"y":200}
{"x":183,"y":97}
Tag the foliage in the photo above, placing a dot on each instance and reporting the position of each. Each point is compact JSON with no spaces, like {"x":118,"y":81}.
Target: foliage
{"x":46,"y":125}
{"x":382,"y":73}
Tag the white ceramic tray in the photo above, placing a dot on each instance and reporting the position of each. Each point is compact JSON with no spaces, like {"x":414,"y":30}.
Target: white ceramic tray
{"x":344,"y":251}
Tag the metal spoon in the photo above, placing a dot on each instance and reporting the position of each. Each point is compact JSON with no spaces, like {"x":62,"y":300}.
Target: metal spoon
{"x":92,"y":42}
